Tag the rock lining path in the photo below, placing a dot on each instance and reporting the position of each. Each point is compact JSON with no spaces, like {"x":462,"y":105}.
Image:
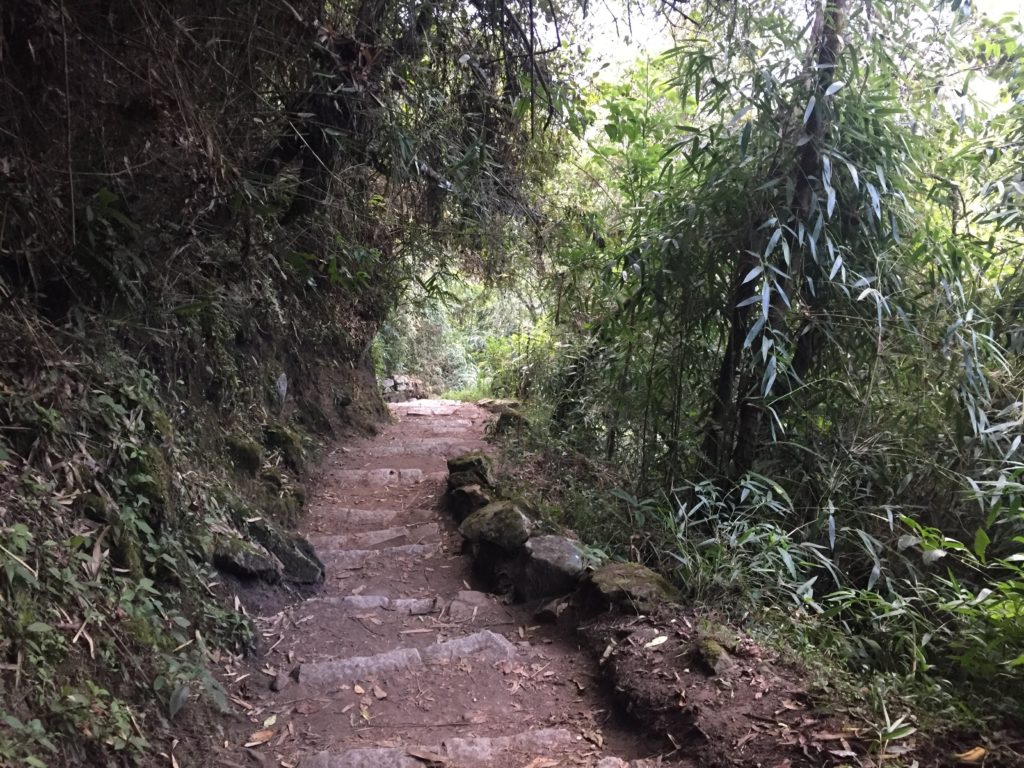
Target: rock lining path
{"x":403,"y":661}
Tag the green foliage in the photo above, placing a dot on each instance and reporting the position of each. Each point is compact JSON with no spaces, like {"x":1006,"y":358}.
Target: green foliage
{"x":102,"y":573}
{"x":784,"y":296}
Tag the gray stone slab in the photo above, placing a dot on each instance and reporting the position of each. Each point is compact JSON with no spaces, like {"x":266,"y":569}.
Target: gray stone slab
{"x":355,"y":668}
{"x":481,"y":751}
{"x":380,"y":477}
{"x":347,"y":559}
{"x":413,"y":534}
{"x":351,"y":516}
{"x":461,"y":753}
{"x":485,"y":644}
{"x":364,"y":757}
{"x":413,"y":606}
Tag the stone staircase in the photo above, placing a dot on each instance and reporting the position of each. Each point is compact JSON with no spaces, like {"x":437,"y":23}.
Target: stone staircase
{"x":403,"y":660}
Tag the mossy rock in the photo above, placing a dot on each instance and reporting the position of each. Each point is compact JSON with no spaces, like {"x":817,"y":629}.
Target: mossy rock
{"x":162,"y":423}
{"x":284,"y":508}
{"x":713,"y":655}
{"x":145,"y":633}
{"x":510,"y":420}
{"x":470,"y":469}
{"x":245,"y":559}
{"x":501,"y":523}
{"x":475,"y":461}
{"x":246,"y":454}
{"x":285,"y":440}
{"x":295,"y":553}
{"x":631,"y":585}
{"x":126,"y":550}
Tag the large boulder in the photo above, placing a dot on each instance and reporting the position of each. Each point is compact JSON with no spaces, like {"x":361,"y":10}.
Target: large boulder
{"x":245,"y":559}
{"x":552,"y":565}
{"x":629,"y":585}
{"x":501,"y":523}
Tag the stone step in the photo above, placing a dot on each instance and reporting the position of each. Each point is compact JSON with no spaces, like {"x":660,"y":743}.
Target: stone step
{"x":486,"y":644}
{"x":443,"y":429}
{"x":412,"y":606}
{"x":353,"y":516}
{"x":384,"y":476}
{"x":417,"y":421}
{"x":425,"y":441}
{"x":402,"y":534}
{"x":455,"y":752}
{"x":346,"y":559}
{"x":442,"y":448}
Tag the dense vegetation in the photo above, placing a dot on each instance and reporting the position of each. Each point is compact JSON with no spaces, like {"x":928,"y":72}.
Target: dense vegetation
{"x":761,"y":294}
{"x":778,"y":350}
{"x":204,"y":218}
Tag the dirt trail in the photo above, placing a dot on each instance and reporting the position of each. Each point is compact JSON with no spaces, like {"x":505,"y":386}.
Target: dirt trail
{"x":403,"y":661}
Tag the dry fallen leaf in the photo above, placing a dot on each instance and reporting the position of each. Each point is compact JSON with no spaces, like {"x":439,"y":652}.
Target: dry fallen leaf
{"x":428,"y":757}
{"x":542,"y":762}
{"x":270,"y":721}
{"x":657,"y":641}
{"x":379,"y":692}
{"x":358,"y":689}
{"x":260,"y":737}
{"x":973,"y":755}
{"x":594,"y":738}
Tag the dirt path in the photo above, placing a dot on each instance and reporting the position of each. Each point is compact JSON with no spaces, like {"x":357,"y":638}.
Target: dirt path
{"x":402,"y":661}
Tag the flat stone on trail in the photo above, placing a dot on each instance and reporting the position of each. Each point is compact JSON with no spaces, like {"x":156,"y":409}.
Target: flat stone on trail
{"x":467,"y":605}
{"x":478,"y":752}
{"x":484,"y":644}
{"x":347,"y":559}
{"x":350,"y":670}
{"x":385,"y":476}
{"x":412,"y":534}
{"x":413,"y":606}
{"x":350,"y":516}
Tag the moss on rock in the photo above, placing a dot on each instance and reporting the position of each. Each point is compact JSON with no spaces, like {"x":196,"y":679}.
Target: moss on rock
{"x":631,"y":585}
{"x":502,"y":523}
{"x":510,"y":420}
{"x":470,"y":469}
{"x":246,"y":455}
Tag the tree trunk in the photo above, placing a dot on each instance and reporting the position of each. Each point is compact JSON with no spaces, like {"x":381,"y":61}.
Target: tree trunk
{"x":736,"y":429}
